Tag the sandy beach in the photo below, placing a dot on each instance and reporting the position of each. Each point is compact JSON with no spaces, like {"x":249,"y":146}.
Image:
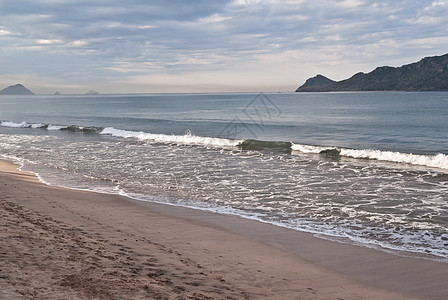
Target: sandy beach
{"x":57,"y":243}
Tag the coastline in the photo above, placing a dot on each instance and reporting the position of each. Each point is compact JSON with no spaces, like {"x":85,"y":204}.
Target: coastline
{"x":61,"y":243}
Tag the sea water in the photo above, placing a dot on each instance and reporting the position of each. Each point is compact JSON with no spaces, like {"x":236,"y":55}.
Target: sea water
{"x":368,"y":167}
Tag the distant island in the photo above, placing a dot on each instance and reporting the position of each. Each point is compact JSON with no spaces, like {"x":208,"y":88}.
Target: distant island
{"x":429,"y":74}
{"x":92,"y":92}
{"x":17,"y":89}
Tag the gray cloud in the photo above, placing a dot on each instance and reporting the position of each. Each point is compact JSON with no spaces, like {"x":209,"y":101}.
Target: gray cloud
{"x":273,"y":41}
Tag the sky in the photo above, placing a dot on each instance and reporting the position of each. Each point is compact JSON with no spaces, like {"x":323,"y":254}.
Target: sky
{"x":144,"y":46}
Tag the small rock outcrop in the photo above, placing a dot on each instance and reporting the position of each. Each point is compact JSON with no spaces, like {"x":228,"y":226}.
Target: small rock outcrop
{"x":92,"y":92}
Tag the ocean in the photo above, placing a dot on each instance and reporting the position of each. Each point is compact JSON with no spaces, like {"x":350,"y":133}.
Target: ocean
{"x":367,"y":168}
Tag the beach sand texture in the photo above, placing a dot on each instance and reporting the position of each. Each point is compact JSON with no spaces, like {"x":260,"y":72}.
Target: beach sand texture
{"x":57,"y":243}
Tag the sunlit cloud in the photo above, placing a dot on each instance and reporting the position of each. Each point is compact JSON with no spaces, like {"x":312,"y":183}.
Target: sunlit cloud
{"x":78,"y":43}
{"x":4,"y":32}
{"x":215,"y":18}
{"x":48,"y":42}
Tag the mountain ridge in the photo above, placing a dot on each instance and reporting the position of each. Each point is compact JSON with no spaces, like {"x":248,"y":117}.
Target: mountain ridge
{"x":428,"y":74}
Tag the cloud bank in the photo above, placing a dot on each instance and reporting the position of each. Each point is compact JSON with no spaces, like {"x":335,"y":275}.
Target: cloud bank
{"x":182,"y":46}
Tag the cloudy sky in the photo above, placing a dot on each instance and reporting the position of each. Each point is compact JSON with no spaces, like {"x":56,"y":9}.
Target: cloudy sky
{"x":118,"y":46}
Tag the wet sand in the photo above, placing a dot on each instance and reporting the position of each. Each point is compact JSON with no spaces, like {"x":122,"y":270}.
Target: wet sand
{"x":57,"y":243}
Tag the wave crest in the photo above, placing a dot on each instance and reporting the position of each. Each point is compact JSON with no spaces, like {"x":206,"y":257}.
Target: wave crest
{"x":187,"y":139}
{"x":51,"y":127}
{"x":435,"y":161}
{"x":19,"y":125}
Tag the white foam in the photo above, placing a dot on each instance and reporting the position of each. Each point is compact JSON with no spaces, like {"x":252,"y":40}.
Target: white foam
{"x":187,"y":139}
{"x":309,"y":148}
{"x":435,"y":161}
{"x":14,"y":125}
{"x":56,"y":127}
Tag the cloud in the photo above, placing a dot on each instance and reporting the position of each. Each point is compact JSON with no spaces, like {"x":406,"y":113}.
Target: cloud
{"x":215,"y":18}
{"x":277,"y":42}
{"x":78,"y":43}
{"x":48,"y":42}
{"x":4,"y":32}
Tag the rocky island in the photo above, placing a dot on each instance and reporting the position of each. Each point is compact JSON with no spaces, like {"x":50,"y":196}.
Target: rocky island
{"x":92,"y":92}
{"x":429,"y":74}
{"x":17,"y":89}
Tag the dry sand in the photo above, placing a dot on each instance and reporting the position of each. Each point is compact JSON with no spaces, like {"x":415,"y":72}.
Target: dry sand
{"x":57,"y":243}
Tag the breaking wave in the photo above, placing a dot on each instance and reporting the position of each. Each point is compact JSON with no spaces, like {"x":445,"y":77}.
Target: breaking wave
{"x":19,"y":125}
{"x":435,"y":161}
{"x":439,"y":160}
{"x":187,"y":139}
{"x":73,"y":128}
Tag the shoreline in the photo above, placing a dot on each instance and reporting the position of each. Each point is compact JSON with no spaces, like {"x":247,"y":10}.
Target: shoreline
{"x":98,"y":245}
{"x":170,"y":209}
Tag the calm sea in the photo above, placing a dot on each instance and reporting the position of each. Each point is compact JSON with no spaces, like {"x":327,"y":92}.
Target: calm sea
{"x":368,"y":168}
